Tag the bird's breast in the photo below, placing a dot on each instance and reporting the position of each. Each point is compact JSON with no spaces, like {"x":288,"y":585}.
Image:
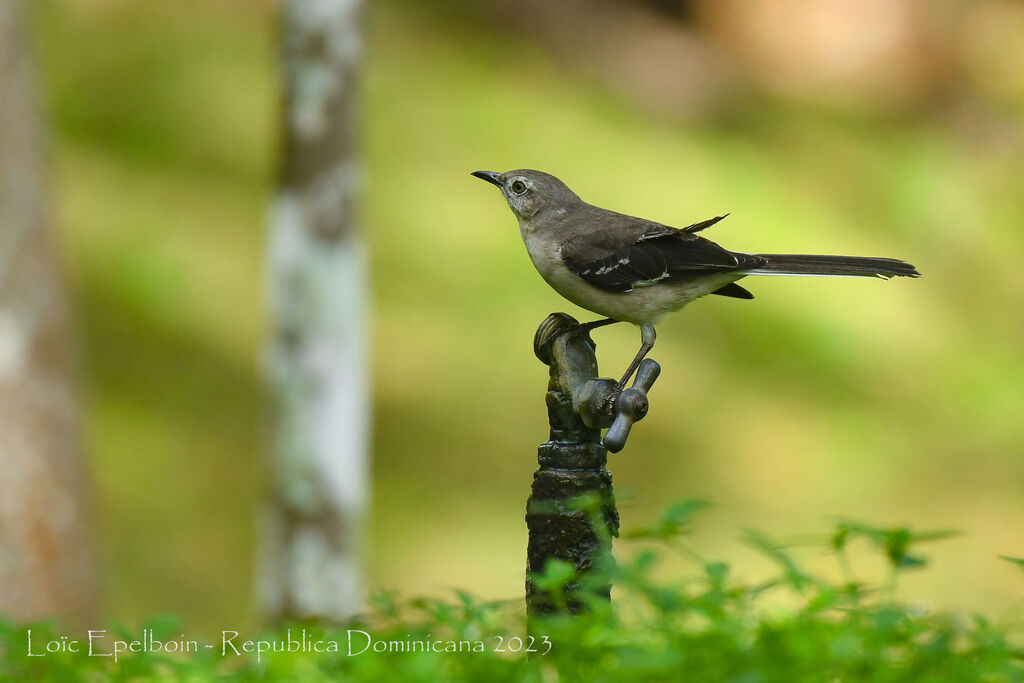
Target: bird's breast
{"x":545,"y":254}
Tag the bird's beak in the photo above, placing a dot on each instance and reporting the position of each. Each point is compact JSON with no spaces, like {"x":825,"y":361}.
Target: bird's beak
{"x":489,"y":176}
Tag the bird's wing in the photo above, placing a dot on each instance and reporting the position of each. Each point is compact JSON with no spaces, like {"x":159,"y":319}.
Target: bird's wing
{"x":734,"y":290}
{"x":697,"y":227}
{"x":630,"y":257}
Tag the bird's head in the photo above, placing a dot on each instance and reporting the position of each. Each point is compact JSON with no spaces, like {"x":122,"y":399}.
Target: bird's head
{"x":531,"y":193}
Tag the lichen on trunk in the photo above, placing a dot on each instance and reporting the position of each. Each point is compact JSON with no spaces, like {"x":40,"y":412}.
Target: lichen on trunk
{"x":316,"y":363}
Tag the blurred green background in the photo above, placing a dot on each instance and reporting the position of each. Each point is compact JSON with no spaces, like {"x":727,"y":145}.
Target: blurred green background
{"x":895,"y":402}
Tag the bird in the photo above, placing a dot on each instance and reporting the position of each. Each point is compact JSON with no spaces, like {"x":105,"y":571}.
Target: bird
{"x":631,"y":269}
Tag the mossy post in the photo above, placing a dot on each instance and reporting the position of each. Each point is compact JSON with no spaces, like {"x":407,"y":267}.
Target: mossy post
{"x":571,"y":514}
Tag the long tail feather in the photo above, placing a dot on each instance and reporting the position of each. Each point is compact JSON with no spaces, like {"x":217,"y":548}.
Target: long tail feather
{"x":856,"y":266}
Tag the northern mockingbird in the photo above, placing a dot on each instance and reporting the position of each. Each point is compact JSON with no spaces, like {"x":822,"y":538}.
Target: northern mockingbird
{"x":633,"y":270}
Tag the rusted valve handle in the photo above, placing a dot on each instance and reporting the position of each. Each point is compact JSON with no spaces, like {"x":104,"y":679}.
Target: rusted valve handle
{"x":632,"y":405}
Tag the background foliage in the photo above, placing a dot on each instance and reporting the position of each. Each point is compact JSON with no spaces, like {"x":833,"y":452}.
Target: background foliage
{"x":701,"y":625}
{"x":891,"y":401}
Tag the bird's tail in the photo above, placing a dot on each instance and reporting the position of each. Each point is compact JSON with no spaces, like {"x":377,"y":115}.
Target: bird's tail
{"x":799,"y":264}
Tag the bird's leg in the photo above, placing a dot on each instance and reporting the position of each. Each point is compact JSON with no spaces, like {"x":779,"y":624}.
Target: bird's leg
{"x":584,"y":329}
{"x":587,"y":327}
{"x":647,"y":337}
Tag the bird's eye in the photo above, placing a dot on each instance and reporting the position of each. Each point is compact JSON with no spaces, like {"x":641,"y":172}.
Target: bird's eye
{"x":518,"y":187}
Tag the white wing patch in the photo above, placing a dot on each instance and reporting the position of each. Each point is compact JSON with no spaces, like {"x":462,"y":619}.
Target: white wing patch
{"x":607,"y":269}
{"x":648,"y":283}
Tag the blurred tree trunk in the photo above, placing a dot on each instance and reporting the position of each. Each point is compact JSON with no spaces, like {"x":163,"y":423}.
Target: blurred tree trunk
{"x":45,"y":554}
{"x":318,"y":373}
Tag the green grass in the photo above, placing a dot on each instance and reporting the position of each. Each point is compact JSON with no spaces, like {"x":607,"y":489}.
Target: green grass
{"x":890,"y":400}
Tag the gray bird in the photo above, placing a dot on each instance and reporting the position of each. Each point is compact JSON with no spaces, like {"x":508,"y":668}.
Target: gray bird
{"x":634,"y":270}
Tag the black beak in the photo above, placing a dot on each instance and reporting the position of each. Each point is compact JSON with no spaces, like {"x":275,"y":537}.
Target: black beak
{"x":489,"y":176}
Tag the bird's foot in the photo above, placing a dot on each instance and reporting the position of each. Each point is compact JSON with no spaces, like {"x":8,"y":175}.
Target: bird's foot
{"x":584,"y":329}
{"x":583,"y":332}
